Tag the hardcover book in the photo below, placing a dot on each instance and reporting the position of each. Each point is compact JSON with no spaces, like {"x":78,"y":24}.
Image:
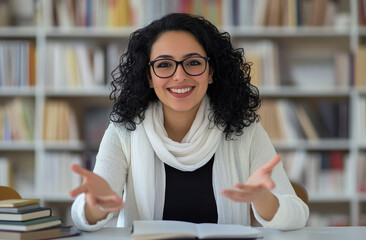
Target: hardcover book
{"x":49,"y":233}
{"x":19,"y":209}
{"x":30,"y":225}
{"x":26,"y":214}
{"x":17,"y":202}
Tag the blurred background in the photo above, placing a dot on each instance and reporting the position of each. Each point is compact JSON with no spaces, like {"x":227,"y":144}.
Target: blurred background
{"x":309,"y":63}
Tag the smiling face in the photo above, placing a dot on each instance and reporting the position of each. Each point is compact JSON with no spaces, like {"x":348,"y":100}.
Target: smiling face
{"x":180,"y":92}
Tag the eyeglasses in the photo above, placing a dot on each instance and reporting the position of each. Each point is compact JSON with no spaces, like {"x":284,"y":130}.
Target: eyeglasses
{"x":193,"y":66}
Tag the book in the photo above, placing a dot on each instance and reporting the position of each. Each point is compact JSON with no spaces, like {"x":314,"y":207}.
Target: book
{"x":306,"y":123}
{"x":17,"y":202}
{"x":26,"y":214}
{"x":360,"y":70}
{"x":146,"y":230}
{"x":30,"y":225}
{"x":19,"y":209}
{"x":49,"y":233}
{"x":5,"y":167}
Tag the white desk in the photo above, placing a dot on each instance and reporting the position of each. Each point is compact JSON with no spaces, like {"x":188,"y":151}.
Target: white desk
{"x":314,"y":233}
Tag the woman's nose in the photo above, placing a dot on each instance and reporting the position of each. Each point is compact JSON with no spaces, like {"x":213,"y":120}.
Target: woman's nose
{"x":180,"y":74}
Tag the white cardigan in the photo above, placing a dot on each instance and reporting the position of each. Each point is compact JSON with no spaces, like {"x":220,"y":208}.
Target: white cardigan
{"x":252,"y":149}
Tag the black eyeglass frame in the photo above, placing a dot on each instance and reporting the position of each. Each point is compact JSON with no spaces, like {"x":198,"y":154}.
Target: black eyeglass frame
{"x":151,"y":63}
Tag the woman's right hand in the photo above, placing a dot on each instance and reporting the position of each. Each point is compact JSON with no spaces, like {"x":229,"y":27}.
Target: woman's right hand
{"x":97,"y":191}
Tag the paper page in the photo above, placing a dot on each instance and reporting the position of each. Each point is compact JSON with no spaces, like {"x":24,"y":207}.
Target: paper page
{"x":210,"y":230}
{"x":163,"y":229}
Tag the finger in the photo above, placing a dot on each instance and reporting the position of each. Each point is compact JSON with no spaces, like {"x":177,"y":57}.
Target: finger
{"x":271,"y":163}
{"x":112,"y":209}
{"x":235,"y":199}
{"x":80,"y":170}
{"x":236,"y":196}
{"x":110,"y":198}
{"x":246,"y":187}
{"x":232,"y":193}
{"x":110,"y":204}
{"x":77,"y":191}
{"x":242,"y":193}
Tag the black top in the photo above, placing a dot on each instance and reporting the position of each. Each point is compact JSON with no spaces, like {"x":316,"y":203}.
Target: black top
{"x":189,"y":196}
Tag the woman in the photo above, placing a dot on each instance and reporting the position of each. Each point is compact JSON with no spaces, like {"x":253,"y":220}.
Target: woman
{"x":184,"y":140}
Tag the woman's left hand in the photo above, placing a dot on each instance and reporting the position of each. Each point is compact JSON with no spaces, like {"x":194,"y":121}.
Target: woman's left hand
{"x":257,"y":186}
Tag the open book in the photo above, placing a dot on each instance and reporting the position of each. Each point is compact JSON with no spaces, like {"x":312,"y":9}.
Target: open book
{"x":148,"y":230}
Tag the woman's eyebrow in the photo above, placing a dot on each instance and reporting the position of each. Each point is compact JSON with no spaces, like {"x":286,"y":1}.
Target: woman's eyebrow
{"x":171,"y":57}
{"x":164,"y":56}
{"x":192,"y":55}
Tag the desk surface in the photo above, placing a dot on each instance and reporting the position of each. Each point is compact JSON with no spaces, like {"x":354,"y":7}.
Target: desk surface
{"x":313,"y":233}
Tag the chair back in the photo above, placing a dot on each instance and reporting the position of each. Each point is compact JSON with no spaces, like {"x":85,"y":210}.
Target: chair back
{"x":301,"y":192}
{"x":8,"y":193}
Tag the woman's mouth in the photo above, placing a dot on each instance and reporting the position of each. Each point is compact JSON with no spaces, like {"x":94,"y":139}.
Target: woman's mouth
{"x":181,"y":92}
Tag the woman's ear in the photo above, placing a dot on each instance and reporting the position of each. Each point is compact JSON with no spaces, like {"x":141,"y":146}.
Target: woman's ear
{"x":150,"y":80}
{"x":210,"y":75}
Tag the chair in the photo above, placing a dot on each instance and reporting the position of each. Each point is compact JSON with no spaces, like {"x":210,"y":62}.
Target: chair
{"x":8,"y":193}
{"x":300,"y":192}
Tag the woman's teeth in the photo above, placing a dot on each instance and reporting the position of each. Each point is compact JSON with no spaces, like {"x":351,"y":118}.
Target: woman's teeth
{"x":181,"y":90}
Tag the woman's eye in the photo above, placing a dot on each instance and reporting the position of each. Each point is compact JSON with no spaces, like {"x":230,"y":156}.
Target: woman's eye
{"x":194,"y":63}
{"x":164,"y":64}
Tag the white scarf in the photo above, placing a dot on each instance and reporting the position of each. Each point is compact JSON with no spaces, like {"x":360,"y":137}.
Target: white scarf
{"x":151,"y":147}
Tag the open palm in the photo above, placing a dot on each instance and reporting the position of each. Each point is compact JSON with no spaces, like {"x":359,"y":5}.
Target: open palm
{"x":257,"y":184}
{"x":97,"y":191}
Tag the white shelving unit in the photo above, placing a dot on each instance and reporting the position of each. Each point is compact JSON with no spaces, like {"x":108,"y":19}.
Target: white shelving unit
{"x":349,"y":38}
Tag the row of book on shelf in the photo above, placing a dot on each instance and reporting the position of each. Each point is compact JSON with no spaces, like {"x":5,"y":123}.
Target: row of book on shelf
{"x":96,"y":13}
{"x":57,"y":175}
{"x":17,"y":63}
{"x":283,"y":120}
{"x":321,"y":173}
{"x":119,"y":13}
{"x":69,"y":13}
{"x":17,"y":120}
{"x":26,"y":219}
{"x":18,"y":172}
{"x":286,"y":13}
{"x":60,"y":122}
{"x":288,"y":121}
{"x":76,"y":65}
{"x":68,"y":66}
{"x":325,"y":173}
{"x":57,"y":178}
{"x":308,"y":68}
{"x":87,"y":66}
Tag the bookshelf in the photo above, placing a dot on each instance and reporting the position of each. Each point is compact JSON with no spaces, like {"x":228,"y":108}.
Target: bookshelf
{"x":307,"y":64}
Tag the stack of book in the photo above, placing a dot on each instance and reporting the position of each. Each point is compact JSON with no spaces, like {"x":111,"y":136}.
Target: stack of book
{"x":25,"y":219}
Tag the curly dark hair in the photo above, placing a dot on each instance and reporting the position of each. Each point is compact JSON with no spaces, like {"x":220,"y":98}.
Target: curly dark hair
{"x":233,"y":99}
